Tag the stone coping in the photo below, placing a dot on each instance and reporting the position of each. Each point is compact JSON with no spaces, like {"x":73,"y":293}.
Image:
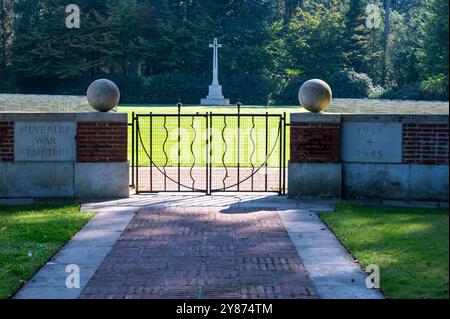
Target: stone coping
{"x":64,"y":117}
{"x":391,"y":118}
{"x":315,"y":117}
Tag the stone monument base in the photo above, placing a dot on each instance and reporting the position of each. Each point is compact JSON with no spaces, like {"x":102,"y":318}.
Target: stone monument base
{"x":215,"y":97}
{"x":215,"y":102}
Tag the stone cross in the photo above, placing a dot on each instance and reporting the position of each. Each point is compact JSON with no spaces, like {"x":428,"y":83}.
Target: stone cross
{"x":215,"y":96}
{"x":216,"y":46}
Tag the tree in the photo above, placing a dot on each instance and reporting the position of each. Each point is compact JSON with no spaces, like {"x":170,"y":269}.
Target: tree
{"x":357,"y":36}
{"x":290,"y":6}
{"x":387,"y":29}
{"x":314,"y":40}
{"x":247,"y":36}
{"x":433,"y":51}
{"x":45,"y":48}
{"x":404,"y":49}
{"x":270,"y":44}
{"x":111,"y":37}
{"x":130,"y":24}
{"x":6,"y":17}
{"x":407,"y":6}
{"x":312,"y":43}
{"x":435,"y":30}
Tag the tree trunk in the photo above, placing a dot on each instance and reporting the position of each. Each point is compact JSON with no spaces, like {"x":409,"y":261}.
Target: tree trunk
{"x":291,"y":5}
{"x":287,"y":9}
{"x":4,"y":44}
{"x":387,"y":30}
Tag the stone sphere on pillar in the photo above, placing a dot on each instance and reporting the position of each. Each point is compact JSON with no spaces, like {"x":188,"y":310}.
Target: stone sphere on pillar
{"x":315,"y":95}
{"x":103,"y":95}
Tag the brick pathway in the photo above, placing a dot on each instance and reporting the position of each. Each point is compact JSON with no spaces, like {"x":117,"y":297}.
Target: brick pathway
{"x":202,"y":253}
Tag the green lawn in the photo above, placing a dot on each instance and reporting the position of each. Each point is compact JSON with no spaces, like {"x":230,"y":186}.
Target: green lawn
{"x":410,"y":246}
{"x":30,"y":236}
{"x":248,"y":136}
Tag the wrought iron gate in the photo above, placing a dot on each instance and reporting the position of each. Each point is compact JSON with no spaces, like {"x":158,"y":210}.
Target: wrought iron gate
{"x":208,"y":152}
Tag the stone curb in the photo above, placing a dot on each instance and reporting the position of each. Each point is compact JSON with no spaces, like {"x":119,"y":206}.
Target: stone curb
{"x":87,"y":250}
{"x":332,"y":269}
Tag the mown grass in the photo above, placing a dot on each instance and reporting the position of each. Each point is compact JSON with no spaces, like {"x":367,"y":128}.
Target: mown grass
{"x":194,"y":142}
{"x":29,"y":237}
{"x":409,"y":245}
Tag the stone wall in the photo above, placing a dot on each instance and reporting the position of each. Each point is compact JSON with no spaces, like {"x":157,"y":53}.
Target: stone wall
{"x":43,"y":103}
{"x":388,"y":106}
{"x":66,"y":103}
{"x":369,"y":156}
{"x":74,"y":155}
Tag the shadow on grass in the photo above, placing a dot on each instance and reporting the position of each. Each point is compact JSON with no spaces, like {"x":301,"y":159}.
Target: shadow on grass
{"x":410,"y":245}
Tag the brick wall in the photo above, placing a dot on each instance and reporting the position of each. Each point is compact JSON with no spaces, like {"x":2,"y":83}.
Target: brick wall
{"x":316,"y":142}
{"x":102,"y":142}
{"x":6,"y":141}
{"x":425,"y":143}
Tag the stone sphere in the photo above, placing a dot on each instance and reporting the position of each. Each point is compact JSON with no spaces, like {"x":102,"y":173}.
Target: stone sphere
{"x":315,"y":95}
{"x":103,"y":95}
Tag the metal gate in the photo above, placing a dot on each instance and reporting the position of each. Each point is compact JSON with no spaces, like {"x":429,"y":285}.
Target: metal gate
{"x":208,"y":152}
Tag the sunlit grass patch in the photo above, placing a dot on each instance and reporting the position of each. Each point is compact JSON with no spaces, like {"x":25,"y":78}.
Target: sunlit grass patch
{"x":30,"y":236}
{"x":409,"y":245}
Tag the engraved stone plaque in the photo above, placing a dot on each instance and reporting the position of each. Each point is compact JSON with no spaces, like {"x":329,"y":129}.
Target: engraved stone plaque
{"x":372,"y":142}
{"x":45,"y":142}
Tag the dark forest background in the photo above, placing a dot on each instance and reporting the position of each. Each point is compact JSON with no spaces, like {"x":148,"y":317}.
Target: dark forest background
{"x":157,"y":50}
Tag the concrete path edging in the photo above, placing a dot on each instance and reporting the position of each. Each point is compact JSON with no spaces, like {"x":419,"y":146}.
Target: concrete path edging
{"x":334,"y":272}
{"x":87,"y":250}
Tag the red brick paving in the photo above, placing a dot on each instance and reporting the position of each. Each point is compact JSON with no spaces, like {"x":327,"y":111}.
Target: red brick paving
{"x":202,"y":253}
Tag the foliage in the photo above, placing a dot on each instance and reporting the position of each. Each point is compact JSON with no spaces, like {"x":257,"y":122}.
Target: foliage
{"x":435,"y":88}
{"x":157,"y":50}
{"x":8,"y":86}
{"x":360,"y":50}
{"x":433,"y":51}
{"x":350,"y":84}
{"x":311,"y":43}
{"x":6,"y":37}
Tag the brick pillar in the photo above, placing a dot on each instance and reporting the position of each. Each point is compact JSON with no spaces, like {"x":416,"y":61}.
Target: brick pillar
{"x":102,"y":142}
{"x":102,"y":168}
{"x":315,"y":169}
{"x":315,"y":142}
{"x":6,"y":141}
